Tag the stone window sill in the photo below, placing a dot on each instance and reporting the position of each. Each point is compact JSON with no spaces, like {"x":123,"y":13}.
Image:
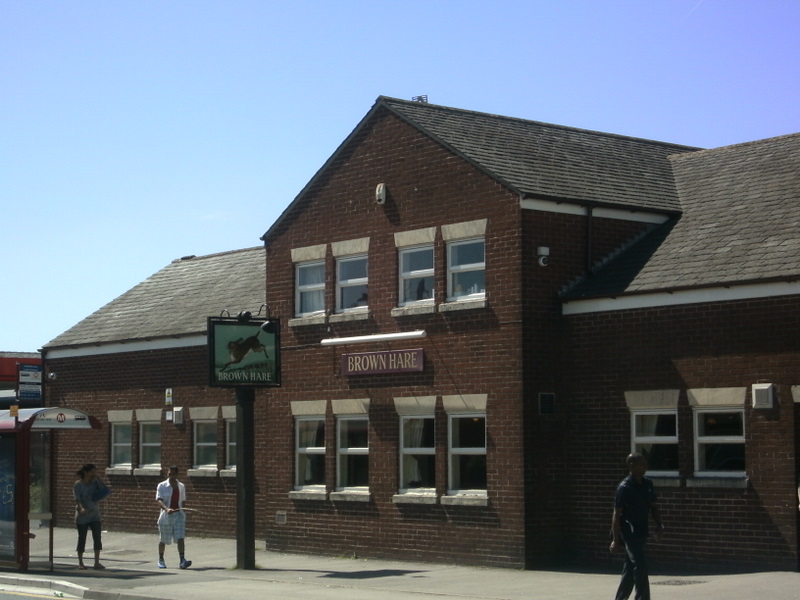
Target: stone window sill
{"x":308,"y":495}
{"x":665,"y":481}
{"x":228,"y":472}
{"x":411,"y":498}
{"x":465,"y":500}
{"x":734,"y":483}
{"x":119,"y":470}
{"x":348,"y":496}
{"x":308,"y":321}
{"x":346,"y":317}
{"x":412,"y":310}
{"x":147,"y":472}
{"x":202,"y":472}
{"x":463,"y":305}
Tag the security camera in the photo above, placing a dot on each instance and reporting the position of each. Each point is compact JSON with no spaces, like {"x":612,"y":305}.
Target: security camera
{"x":51,"y":376}
{"x":544,"y":261}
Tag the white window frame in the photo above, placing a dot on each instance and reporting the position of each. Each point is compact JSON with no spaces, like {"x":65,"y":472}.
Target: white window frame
{"x":143,"y":444}
{"x":407,"y":452}
{"x":196,"y":445}
{"x":453,"y":295}
{"x":308,"y":288}
{"x":404,"y":276}
{"x":115,"y":444}
{"x":454,"y":454}
{"x":302,"y":451}
{"x":639,"y":439}
{"x":342,"y":284}
{"x":231,"y":447}
{"x":701,"y":440}
{"x":343,"y":452}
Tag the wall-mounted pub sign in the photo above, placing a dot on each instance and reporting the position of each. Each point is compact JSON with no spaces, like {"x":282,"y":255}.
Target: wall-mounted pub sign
{"x":383,"y":362}
{"x":244,"y":353}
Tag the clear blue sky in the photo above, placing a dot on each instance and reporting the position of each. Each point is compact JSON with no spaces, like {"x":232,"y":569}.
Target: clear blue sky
{"x":134,"y":133}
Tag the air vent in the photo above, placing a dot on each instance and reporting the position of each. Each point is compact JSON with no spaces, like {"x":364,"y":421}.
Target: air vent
{"x":763,"y":395}
{"x":547,"y":403}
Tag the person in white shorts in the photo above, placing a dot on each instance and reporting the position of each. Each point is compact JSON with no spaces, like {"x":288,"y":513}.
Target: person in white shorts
{"x":171,"y":496}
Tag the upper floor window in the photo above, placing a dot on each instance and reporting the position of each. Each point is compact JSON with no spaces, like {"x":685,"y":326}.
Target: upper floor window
{"x":352,"y":449}
{"x":467,"y":453}
{"x":417,"y":453}
{"x":121,"y":438}
{"x":654,"y":434}
{"x":310,"y":291}
{"x":149,"y":444}
{"x":351,"y":282}
{"x":719,"y":441}
{"x":310,"y":452}
{"x":416,"y":274}
{"x":466,"y":268}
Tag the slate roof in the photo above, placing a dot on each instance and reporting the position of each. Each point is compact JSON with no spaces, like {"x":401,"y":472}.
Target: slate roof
{"x":740,"y":224}
{"x":541,"y":160}
{"x":177,"y":300}
{"x":551,"y":161}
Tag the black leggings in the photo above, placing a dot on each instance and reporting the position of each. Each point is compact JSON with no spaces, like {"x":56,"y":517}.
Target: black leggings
{"x":83,"y":529}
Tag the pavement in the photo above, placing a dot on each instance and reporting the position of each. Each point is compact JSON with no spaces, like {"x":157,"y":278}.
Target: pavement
{"x":132,"y":574}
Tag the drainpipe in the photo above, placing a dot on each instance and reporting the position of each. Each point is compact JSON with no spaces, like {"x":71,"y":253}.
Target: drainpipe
{"x":589,"y":228}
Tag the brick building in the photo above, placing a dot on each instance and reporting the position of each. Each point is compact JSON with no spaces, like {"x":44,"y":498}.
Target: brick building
{"x":480,"y":317}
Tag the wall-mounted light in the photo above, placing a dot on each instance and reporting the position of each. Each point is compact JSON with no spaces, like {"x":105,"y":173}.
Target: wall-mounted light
{"x":380,"y":193}
{"x":378,"y":337}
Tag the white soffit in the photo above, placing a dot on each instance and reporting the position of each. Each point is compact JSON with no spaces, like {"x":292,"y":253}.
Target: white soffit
{"x":717,"y":294}
{"x":117,"y":347}
{"x":566,"y":208}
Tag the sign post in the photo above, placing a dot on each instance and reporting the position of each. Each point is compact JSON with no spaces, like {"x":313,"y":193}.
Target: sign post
{"x":244,"y":354}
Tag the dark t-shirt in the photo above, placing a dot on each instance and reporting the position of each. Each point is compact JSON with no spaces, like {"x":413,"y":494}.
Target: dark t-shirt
{"x":635,"y":500}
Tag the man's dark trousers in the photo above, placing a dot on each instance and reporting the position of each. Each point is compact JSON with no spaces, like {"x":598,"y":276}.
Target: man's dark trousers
{"x":634,"y":571}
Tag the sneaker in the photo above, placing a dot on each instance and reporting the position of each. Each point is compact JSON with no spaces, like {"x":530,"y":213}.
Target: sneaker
{"x":162,"y":564}
{"x":185,"y":564}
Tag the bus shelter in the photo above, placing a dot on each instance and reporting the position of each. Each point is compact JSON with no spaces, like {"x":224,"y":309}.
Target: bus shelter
{"x":26,"y":518}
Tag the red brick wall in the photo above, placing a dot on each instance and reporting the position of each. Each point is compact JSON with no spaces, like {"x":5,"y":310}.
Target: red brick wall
{"x":127,"y":381}
{"x":733,"y":344}
{"x":469,"y":352}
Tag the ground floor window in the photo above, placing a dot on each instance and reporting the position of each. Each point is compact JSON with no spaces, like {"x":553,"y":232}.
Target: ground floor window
{"x":655,"y":436}
{"x":467,"y":453}
{"x":230,"y":444}
{"x":310,"y":452}
{"x":150,"y":444}
{"x":205,"y":444}
{"x":417,"y":454}
{"x":121,"y":440}
{"x":719,"y":441}
{"x":352,"y":449}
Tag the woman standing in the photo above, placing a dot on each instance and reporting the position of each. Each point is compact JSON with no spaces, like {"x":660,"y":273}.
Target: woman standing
{"x":88,"y":490}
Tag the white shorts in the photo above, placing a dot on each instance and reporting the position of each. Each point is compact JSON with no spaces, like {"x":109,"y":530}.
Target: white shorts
{"x":172,"y":526}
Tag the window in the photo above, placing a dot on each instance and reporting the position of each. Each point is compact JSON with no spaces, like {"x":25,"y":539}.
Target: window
{"x":719,"y":441}
{"x":466,"y":269}
{"x":150,"y":445}
{"x":352,"y":453}
{"x":467,"y":453}
{"x":121,"y":440}
{"x":417,"y":454}
{"x":230,"y":444}
{"x":310,"y":278}
{"x":310,"y":452}
{"x":654,"y":434}
{"x":351,"y":283}
{"x":205,"y":444}
{"x":416,"y":274}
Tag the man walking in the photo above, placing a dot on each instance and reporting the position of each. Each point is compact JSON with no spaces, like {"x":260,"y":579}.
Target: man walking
{"x":634,"y":501}
{"x":171,"y":496}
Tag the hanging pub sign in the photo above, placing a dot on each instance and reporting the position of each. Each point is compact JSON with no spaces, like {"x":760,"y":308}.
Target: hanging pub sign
{"x":243,"y":352}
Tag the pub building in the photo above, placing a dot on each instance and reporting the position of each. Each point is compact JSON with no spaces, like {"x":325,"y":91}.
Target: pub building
{"x":480,"y":317}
